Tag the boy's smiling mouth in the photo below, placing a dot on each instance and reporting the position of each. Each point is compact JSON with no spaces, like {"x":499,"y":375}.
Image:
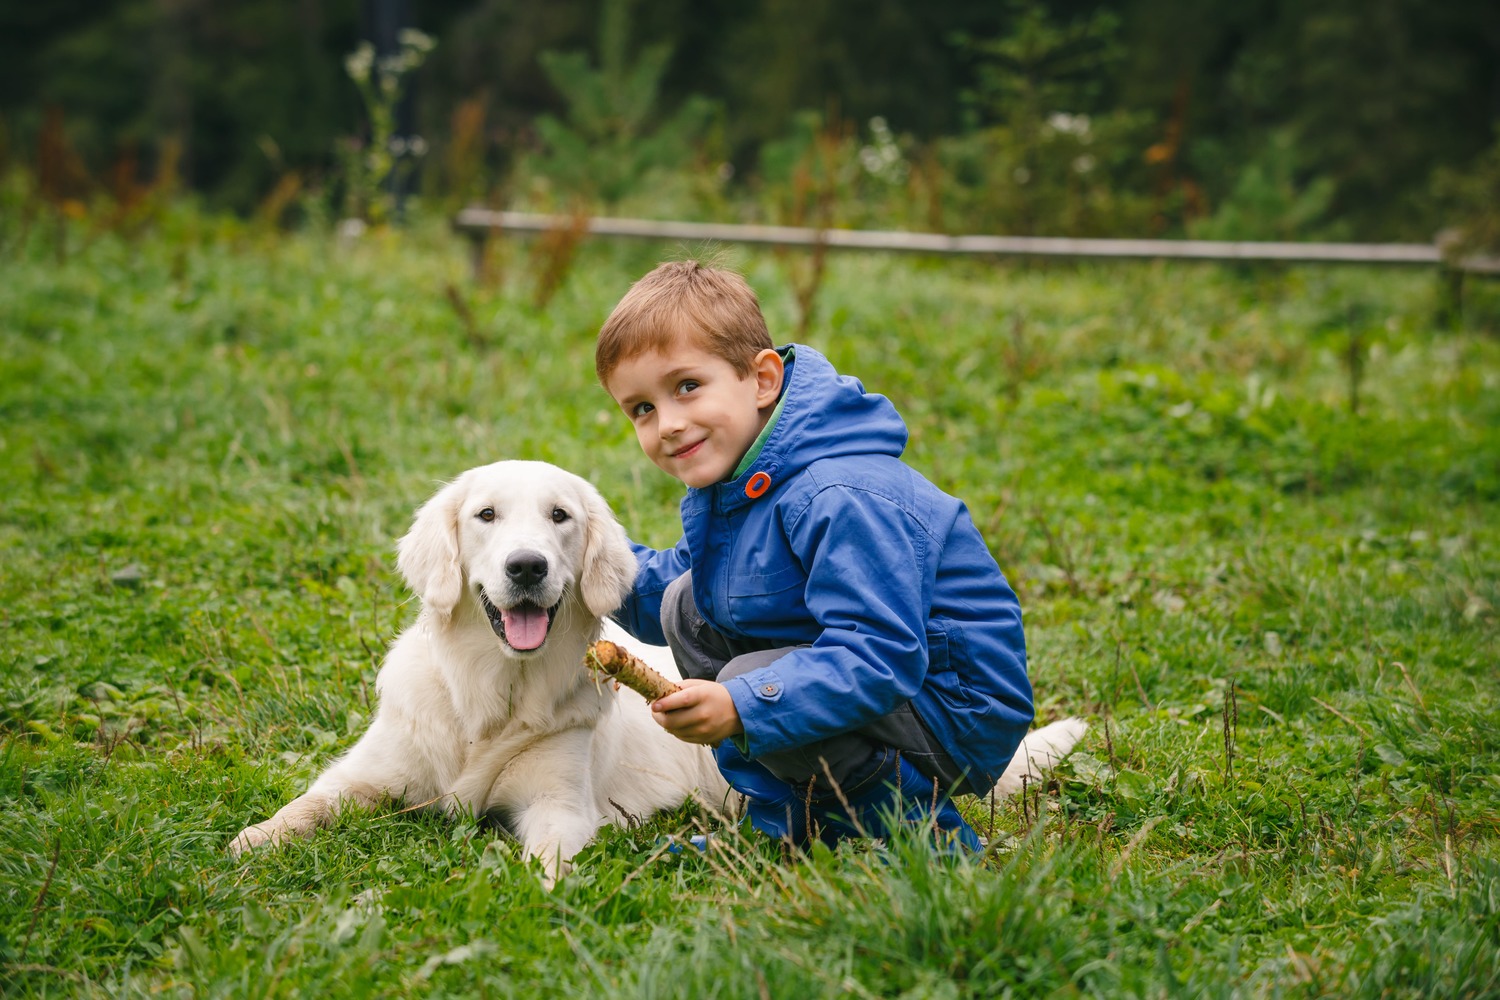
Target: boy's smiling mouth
{"x":687,"y":451}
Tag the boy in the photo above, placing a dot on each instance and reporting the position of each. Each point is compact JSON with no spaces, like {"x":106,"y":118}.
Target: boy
{"x":851,"y":650}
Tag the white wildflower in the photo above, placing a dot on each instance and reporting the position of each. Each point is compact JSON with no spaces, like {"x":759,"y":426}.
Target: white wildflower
{"x":418,"y":41}
{"x":1066,"y":124}
{"x":357,"y":63}
{"x":882,"y":157}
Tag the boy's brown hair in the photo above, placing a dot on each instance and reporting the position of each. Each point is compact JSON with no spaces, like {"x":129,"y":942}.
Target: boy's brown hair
{"x":712,"y":306}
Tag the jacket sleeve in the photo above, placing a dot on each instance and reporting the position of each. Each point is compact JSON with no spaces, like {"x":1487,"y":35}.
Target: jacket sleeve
{"x":640,"y":615}
{"x":869,"y":589}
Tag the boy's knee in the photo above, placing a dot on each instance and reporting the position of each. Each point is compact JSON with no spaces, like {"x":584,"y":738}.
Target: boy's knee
{"x":678,"y":609}
{"x":747,"y":660}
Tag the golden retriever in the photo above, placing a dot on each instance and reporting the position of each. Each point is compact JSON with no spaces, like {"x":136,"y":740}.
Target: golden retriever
{"x":485,"y":706}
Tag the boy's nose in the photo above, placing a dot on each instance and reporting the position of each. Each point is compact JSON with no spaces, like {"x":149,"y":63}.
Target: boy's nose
{"x":669,"y":421}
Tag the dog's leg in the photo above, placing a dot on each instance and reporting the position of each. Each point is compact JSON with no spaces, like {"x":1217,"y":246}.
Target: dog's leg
{"x":552,"y":830}
{"x":1039,"y":751}
{"x":473,"y":791}
{"x":554,"y":819}
{"x":381,"y":766}
{"x":301,"y":816}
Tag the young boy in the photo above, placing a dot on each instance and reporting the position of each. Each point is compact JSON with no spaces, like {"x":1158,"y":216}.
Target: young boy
{"x":852,"y":651}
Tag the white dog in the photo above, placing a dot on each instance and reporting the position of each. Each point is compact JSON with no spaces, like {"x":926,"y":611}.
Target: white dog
{"x":485,"y":705}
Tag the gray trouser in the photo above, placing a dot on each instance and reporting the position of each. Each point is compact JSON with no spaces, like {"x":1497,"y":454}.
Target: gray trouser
{"x":705,"y":653}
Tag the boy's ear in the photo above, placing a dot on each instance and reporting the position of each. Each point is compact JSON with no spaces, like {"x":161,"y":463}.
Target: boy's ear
{"x":768,"y":371}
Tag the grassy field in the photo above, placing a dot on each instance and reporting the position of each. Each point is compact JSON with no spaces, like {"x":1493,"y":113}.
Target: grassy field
{"x":1252,"y":517}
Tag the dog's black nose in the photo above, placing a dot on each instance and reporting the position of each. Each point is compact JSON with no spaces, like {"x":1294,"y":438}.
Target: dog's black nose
{"x":527,"y":569}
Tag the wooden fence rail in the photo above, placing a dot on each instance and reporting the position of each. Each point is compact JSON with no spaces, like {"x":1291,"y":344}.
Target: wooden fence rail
{"x":481,"y":223}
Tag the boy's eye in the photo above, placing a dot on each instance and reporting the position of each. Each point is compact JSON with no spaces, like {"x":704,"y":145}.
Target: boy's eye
{"x":641,"y":409}
{"x":686,"y":386}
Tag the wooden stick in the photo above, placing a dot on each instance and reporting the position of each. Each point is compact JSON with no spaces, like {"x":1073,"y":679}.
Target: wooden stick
{"x":615,"y":662}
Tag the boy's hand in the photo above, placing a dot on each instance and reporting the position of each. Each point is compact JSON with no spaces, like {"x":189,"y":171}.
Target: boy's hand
{"x":702,"y":712}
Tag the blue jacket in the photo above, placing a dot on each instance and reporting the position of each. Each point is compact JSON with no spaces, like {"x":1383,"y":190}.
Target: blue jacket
{"x":850,"y":551}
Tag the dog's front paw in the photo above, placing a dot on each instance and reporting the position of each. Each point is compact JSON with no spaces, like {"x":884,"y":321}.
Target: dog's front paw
{"x":553,"y":870}
{"x":248,"y":840}
{"x":547,"y":858}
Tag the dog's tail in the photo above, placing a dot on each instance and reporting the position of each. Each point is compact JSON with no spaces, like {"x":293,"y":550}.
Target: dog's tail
{"x":1038,"y":752}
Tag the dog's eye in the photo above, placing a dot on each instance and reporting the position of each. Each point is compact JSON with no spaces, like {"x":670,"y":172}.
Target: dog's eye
{"x":559,"y":515}
{"x":486,"y":515}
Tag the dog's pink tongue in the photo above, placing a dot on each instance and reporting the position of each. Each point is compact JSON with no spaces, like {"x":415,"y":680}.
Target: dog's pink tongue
{"x":525,"y":627}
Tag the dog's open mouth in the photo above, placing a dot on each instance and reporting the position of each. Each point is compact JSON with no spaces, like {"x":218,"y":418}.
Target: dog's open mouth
{"x":523,"y":627}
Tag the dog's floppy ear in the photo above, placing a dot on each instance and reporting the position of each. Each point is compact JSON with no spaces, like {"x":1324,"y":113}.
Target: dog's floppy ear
{"x":608,"y":563}
{"x":427,"y":555}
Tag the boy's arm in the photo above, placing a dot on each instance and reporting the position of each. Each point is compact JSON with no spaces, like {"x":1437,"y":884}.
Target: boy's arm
{"x":640,"y":615}
{"x":869,"y":589}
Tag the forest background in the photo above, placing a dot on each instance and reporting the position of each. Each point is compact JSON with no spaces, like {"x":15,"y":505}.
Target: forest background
{"x":1333,"y":119}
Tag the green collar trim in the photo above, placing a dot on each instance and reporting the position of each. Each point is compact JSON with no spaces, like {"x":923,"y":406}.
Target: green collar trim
{"x":748,"y":462}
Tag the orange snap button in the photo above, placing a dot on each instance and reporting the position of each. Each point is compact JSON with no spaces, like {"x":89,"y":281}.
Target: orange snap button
{"x":758,"y":484}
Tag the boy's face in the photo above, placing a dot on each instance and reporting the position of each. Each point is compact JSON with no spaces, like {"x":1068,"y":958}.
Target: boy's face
{"x":693,"y":414}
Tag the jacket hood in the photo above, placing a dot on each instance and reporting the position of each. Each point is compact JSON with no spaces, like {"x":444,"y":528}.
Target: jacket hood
{"x":823,"y":415}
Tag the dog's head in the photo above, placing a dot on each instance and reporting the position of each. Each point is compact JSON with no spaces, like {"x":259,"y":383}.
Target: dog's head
{"x":520,"y":539}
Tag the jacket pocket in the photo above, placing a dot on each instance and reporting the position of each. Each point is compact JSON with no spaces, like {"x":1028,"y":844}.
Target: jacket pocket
{"x":771,"y":605}
{"x":760,"y":583}
{"x":947,"y":649}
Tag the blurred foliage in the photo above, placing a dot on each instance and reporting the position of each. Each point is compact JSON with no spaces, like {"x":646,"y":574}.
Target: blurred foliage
{"x":371,"y":168}
{"x":1472,"y":198}
{"x":1333,"y":118}
{"x":1267,"y":201}
{"x":613,"y":133}
{"x":1045,"y":153}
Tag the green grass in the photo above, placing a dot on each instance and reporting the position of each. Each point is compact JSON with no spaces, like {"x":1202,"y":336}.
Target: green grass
{"x":1278,"y":612}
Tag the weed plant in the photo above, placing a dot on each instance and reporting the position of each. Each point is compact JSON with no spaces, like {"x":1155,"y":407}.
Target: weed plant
{"x":1277,"y":611}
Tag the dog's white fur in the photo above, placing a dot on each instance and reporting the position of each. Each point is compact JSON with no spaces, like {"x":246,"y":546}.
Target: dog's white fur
{"x":468,"y":724}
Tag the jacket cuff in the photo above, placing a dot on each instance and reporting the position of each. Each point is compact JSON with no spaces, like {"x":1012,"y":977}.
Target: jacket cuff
{"x":755,"y":696}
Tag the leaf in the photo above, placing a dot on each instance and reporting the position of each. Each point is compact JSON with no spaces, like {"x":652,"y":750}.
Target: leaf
{"x":1133,"y":786}
{"x":1090,"y":768}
